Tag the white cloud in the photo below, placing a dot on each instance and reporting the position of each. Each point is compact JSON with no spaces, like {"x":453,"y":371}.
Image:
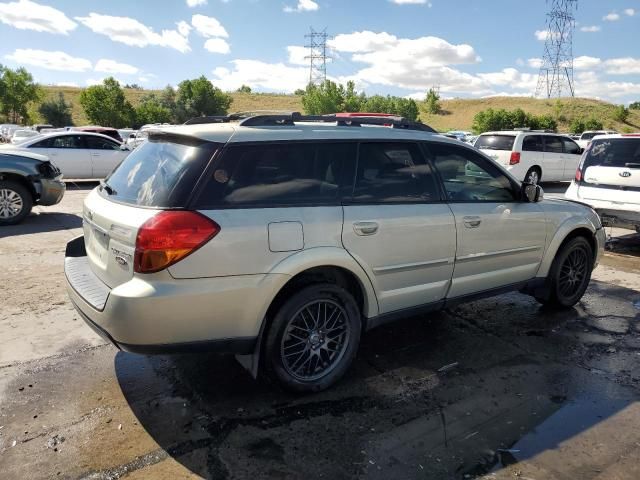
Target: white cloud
{"x":622,"y":66}
{"x":611,"y":17}
{"x":111,"y":66}
{"x":27,"y":15}
{"x":630,"y":12}
{"x":541,"y":34}
{"x":302,"y":6}
{"x":591,"y":28}
{"x":55,"y":60}
{"x":585,"y":62}
{"x":534,"y":62}
{"x":217,"y":45}
{"x":67,"y":84}
{"x":512,"y":78}
{"x":208,"y":26}
{"x":276,"y":77}
{"x":412,"y":2}
{"x":365,"y":41}
{"x":183,"y":28}
{"x":131,"y":32}
{"x":195,"y":3}
{"x":297,"y":54}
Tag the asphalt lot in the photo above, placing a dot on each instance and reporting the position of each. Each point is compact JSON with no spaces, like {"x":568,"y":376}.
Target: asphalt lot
{"x":499,"y":388}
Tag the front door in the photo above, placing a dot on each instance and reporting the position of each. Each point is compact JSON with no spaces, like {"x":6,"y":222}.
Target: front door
{"x":553,"y":168}
{"x":397,"y":227}
{"x":500,"y":239}
{"x":572,"y":155}
{"x":105,"y":155}
{"x":69,"y":154}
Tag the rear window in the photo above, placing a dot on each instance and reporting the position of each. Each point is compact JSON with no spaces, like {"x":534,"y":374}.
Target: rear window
{"x":495,"y":142}
{"x":613,"y":152}
{"x":160,"y":173}
{"x":590,"y":135}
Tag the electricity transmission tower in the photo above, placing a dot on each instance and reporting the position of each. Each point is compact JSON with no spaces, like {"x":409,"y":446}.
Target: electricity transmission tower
{"x":556,"y":71}
{"x":317,"y":45}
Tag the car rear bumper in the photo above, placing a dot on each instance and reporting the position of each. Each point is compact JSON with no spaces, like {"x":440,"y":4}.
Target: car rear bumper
{"x":166,"y":315}
{"x":51,"y":191}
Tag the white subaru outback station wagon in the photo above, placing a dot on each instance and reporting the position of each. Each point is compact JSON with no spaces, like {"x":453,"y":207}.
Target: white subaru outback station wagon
{"x":283,"y":238}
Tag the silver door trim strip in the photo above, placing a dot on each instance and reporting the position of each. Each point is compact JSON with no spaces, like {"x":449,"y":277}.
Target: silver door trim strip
{"x":412,"y":266}
{"x":511,"y":251}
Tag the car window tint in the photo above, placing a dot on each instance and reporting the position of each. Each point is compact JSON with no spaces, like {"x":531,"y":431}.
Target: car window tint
{"x":67,"y":141}
{"x":532,"y":143}
{"x":553,"y":144}
{"x":571,"y":147}
{"x":46,"y":143}
{"x":495,"y":142}
{"x":280,"y":175}
{"x":393,"y":172}
{"x":470,"y":177}
{"x":99,"y":143}
{"x":613,"y":152}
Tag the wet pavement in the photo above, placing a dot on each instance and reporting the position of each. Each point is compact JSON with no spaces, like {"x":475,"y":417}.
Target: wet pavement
{"x":499,"y":388}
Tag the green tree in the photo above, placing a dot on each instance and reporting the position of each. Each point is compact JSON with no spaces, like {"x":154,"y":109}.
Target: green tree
{"x":17,"y":91}
{"x":353,"y":101}
{"x":489,"y":119}
{"x":198,"y":97}
{"x":621,"y":113}
{"x":577,"y":126}
{"x":56,"y":112}
{"x":152,"y":110}
{"x":635,"y":106}
{"x":244,"y":89}
{"x":433,"y":102}
{"x":328,"y":97}
{"x":106,"y":105}
{"x":593,"y":124}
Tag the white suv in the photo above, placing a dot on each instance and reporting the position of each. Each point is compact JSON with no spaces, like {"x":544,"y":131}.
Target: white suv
{"x":532,"y":156}
{"x":588,"y":135}
{"x":283,"y":238}
{"x":608,"y":179}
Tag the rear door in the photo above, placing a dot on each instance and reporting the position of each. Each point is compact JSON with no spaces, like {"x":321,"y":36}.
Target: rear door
{"x":70,"y":155}
{"x":398,"y":228}
{"x":500,"y":239}
{"x":553,"y":169}
{"x":572,"y":154}
{"x":105,"y":155}
{"x":610,"y":172}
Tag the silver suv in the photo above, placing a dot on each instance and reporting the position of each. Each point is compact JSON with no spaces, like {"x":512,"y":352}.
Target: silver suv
{"x":283,"y":238}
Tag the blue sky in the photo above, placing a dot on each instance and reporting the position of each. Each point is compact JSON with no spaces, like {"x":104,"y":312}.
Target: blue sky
{"x":471,"y":48}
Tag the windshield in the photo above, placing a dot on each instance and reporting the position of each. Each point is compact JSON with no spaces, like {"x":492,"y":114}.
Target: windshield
{"x":613,"y":152}
{"x":495,"y":142}
{"x":159,"y":173}
{"x":590,"y":135}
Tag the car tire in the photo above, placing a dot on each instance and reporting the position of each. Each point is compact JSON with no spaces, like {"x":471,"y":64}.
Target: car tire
{"x":533,"y":176}
{"x":313,"y":338}
{"x":15,"y":202}
{"x":570,"y":274}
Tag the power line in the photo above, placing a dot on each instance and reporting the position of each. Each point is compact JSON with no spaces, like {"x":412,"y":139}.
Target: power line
{"x":317,"y":45}
{"x":556,"y":71}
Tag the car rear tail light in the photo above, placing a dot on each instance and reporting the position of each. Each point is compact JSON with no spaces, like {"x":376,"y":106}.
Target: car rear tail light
{"x":169,"y":237}
{"x":515,"y":158}
{"x":578,"y":176}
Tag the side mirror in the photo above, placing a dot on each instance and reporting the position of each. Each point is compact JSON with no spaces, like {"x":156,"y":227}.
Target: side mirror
{"x":132,"y":135}
{"x":581,"y":151}
{"x":124,"y":147}
{"x":532,"y":193}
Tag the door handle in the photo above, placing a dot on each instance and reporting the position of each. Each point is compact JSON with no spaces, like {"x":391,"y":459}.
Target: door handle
{"x":472,"y":222}
{"x":95,"y":154}
{"x":365,"y":228}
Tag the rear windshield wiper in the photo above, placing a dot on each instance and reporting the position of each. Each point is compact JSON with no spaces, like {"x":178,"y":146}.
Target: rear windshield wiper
{"x":107,"y":188}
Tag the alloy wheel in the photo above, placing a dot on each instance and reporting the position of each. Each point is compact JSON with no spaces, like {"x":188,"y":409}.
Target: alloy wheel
{"x":573,"y":272}
{"x":315,"y":340}
{"x":11,"y":203}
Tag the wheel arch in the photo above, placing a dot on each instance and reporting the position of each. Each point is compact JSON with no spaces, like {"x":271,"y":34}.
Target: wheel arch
{"x":569,"y":230}
{"x":22,"y":180}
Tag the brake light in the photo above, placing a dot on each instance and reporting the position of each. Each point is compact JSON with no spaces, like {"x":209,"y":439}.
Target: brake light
{"x":169,"y":237}
{"x":515,"y":158}
{"x":578,"y":176}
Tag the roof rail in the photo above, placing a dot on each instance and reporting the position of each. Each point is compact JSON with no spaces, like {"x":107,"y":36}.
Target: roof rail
{"x":212,"y":119}
{"x":353,"y":120}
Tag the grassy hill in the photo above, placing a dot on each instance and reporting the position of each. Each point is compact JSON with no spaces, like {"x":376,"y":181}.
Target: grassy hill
{"x":456,"y":114}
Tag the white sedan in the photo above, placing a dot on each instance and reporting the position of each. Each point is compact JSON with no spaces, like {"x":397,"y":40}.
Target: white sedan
{"x":78,"y":155}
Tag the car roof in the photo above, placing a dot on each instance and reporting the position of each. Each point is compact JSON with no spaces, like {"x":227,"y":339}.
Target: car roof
{"x":515,"y":133}
{"x":42,"y":136}
{"x":24,"y":153}
{"x":634,"y":136}
{"x":229,"y":132}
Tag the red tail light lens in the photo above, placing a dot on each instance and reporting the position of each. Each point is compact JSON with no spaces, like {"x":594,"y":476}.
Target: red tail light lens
{"x":169,"y":237}
{"x":578,"y":176}
{"x":515,"y":158}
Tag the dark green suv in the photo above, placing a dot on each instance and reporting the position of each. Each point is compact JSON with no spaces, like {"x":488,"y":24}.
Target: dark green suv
{"x":26,"y":179}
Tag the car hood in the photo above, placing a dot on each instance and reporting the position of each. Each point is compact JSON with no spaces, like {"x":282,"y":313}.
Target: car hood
{"x":23,"y":153}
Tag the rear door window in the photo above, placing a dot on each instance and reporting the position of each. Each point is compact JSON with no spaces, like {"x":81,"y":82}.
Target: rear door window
{"x":532,"y":143}
{"x":495,"y":142}
{"x":553,"y":144}
{"x":272,"y":175}
{"x":162,"y":172}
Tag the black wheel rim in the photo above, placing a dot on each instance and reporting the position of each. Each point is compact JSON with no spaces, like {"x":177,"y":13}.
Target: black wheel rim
{"x":315,"y":340}
{"x":573,"y":273}
{"x":533,"y":177}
